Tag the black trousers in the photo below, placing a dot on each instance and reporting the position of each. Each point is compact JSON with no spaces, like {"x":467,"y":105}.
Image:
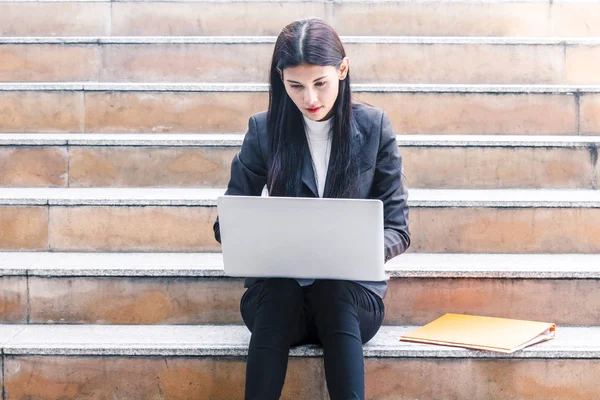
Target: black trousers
{"x":339,"y":315}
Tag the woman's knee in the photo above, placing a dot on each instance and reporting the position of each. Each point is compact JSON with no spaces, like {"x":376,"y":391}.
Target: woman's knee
{"x":281,"y":291}
{"x":343,"y":304}
{"x":329,"y":291}
{"x":282,"y":285}
{"x":273,"y":297}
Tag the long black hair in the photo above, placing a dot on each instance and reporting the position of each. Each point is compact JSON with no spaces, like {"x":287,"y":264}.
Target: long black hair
{"x":308,"y":41}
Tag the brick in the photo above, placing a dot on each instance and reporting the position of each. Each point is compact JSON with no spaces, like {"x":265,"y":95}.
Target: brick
{"x":23,"y":228}
{"x":129,"y":112}
{"x":462,"y":64}
{"x":33,"y":166}
{"x":13,"y":299}
{"x":498,"y":167}
{"x":442,"y":19}
{"x":49,"y":63}
{"x":575,"y":18}
{"x":210,"y":18}
{"x":412,"y":301}
{"x":55,"y":19}
{"x":132,"y":229}
{"x":131,"y":378}
{"x":482,"y":379}
{"x":136,"y":300}
{"x":475,"y":113}
{"x":510,"y":230}
{"x":186,"y":63}
{"x":150,"y":166}
{"x":583,"y":63}
{"x":590,"y":114}
{"x":38,"y":112}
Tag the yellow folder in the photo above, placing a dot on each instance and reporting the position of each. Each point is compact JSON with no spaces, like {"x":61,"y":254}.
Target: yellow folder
{"x":484,"y":333}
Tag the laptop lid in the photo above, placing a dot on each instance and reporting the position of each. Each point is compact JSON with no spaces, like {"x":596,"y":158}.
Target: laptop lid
{"x":299,"y":237}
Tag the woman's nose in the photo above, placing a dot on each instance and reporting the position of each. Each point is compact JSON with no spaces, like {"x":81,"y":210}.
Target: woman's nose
{"x":310,"y":98}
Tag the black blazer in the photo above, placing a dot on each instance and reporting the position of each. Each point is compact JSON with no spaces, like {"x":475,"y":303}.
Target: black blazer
{"x":380,"y":176}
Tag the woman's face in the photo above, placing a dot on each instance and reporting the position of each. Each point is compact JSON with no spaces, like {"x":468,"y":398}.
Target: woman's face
{"x":314,"y":87}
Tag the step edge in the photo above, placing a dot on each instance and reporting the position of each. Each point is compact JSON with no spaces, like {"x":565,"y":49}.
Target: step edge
{"x":393,"y":274}
{"x":235,"y":139}
{"x":385,"y":345}
{"x":412,"y":265}
{"x":206,"y":197}
{"x":264,"y":87}
{"x":346,"y":39}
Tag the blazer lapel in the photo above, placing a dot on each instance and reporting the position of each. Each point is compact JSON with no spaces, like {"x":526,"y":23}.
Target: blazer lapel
{"x":328,"y":177}
{"x":308,"y":174}
{"x":354,"y":131}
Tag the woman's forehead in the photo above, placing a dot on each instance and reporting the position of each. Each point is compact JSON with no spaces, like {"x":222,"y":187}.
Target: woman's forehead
{"x":308,"y":72}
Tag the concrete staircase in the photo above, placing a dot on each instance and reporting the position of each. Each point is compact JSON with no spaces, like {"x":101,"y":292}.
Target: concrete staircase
{"x":118,"y":123}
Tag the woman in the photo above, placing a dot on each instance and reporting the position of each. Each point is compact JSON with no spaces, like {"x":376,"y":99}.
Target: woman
{"x":315,"y":142}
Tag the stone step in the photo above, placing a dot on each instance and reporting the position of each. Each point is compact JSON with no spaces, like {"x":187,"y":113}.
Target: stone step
{"x":180,"y":220}
{"x":199,"y":18}
{"x":247,"y":59}
{"x":191,"y":288}
{"x":208,"y":362}
{"x":204,"y":160}
{"x":222,"y":107}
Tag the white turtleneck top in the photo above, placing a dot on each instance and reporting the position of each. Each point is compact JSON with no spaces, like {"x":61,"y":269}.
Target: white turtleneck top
{"x":318,"y":135}
{"x":319,"y":142}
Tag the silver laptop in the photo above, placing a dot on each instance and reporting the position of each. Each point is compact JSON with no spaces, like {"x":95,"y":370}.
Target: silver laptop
{"x":302,"y":237}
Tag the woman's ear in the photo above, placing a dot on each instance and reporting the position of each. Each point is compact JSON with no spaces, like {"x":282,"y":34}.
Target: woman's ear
{"x":344,"y":67}
{"x":280,"y":74}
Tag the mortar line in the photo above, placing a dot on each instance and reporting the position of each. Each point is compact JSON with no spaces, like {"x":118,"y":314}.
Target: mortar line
{"x":3,"y":390}
{"x":578,"y":110}
{"x":84,"y":112}
{"x":48,"y":229}
{"x":594,"y":159}
{"x":68,"y":166}
{"x":28,"y":303}
{"x":100,"y":53}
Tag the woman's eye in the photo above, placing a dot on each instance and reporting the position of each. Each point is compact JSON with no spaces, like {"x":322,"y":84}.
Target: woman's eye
{"x":299,"y":86}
